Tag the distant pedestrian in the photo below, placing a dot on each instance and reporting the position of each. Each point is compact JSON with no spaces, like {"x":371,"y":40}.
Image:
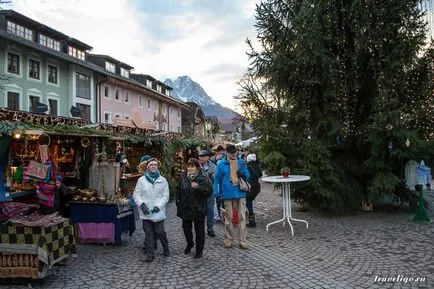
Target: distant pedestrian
{"x":219,"y":203}
{"x":226,"y":186}
{"x":255,"y":173}
{"x":220,"y":153}
{"x":209,"y":168}
{"x":151,"y":195}
{"x":193,"y":190}
{"x":141,"y":168}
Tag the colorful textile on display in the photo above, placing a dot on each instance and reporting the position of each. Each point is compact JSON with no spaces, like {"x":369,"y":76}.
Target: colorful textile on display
{"x":27,"y":214}
{"x":50,"y":244}
{"x":96,"y":232}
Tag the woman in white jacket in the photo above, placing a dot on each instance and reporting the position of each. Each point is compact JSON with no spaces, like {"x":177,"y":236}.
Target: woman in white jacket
{"x":152,"y":195}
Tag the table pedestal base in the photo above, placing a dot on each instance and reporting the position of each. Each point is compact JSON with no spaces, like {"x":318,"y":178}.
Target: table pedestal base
{"x":286,"y":203}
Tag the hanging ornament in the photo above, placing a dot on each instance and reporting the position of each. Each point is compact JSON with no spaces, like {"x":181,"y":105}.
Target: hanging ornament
{"x":390,"y":146}
{"x":338,"y":139}
{"x":407,"y":143}
{"x":389,"y":127}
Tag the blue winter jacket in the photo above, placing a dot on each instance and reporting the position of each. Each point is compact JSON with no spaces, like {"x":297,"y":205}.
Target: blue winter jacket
{"x":222,"y":180}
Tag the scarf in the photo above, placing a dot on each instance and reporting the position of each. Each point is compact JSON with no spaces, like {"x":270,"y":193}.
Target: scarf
{"x":152,"y":177}
{"x":233,"y":164}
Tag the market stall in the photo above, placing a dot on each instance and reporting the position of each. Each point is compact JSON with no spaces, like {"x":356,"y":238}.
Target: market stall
{"x":102,"y":223}
{"x":31,"y":243}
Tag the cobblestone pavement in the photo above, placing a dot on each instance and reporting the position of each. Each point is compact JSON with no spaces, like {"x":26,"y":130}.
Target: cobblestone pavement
{"x":334,"y":252}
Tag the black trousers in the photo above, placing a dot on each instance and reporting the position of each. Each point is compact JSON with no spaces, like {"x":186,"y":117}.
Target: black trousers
{"x":199,"y":229}
{"x":153,"y":230}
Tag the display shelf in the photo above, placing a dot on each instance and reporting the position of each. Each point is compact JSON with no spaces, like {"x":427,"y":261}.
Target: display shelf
{"x":21,"y":194}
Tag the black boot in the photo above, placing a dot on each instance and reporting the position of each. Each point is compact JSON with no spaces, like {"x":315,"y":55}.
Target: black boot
{"x":252,"y":223}
{"x":198,"y":255}
{"x":188,"y":248}
{"x":149,"y":258}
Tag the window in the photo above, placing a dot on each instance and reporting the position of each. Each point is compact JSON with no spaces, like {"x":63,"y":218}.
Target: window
{"x":127,"y":117}
{"x":171,"y":127}
{"x":82,"y":85}
{"x":52,"y":105}
{"x":76,"y":53}
{"x":159,"y":88}
{"x":33,"y":69}
{"x":49,"y":42}
{"x":32,"y":102}
{"x":20,"y":31}
{"x":52,"y":74}
{"x":167,"y":92}
{"x":149,"y":104}
{"x":118,"y":115}
{"x":126,"y":97}
{"x":179,"y":112}
{"x":13,"y":63}
{"x":85,"y":111}
{"x":117,"y":94}
{"x":107,"y":117}
{"x":13,"y":100}
{"x":125,"y":73}
{"x":148,"y":83}
{"x":179,"y":128}
{"x":141,"y":101}
{"x":106,"y":91}
{"x":110,"y":66}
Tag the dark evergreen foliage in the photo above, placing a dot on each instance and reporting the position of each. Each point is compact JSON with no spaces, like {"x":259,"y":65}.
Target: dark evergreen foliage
{"x":338,"y":87}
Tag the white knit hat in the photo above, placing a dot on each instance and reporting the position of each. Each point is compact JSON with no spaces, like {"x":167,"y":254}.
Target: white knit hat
{"x":152,"y":161}
{"x":251,"y":158}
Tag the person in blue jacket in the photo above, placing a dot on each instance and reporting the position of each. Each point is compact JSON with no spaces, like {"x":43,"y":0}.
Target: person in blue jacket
{"x":226,"y":186}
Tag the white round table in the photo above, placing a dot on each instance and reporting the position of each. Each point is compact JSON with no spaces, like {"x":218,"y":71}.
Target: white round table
{"x":286,"y":194}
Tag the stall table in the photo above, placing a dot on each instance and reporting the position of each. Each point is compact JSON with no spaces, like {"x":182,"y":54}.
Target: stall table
{"x":286,"y":197}
{"x":30,"y":251}
{"x":102,"y":222}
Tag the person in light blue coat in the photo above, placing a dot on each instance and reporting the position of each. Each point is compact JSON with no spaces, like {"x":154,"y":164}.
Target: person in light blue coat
{"x":226,"y":186}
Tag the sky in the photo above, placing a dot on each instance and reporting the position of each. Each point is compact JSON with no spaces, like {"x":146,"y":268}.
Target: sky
{"x":204,"y":39}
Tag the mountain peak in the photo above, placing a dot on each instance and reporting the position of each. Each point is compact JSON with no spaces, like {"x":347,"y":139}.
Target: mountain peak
{"x":185,"y":89}
{"x":188,"y":90}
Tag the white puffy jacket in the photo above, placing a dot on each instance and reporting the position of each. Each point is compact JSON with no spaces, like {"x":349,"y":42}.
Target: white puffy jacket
{"x":156,"y":194}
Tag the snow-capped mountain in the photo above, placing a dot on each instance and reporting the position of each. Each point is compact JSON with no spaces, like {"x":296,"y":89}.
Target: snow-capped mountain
{"x":185,"y":89}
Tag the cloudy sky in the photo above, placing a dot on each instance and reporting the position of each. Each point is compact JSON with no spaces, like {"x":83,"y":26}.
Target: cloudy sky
{"x":204,"y":39}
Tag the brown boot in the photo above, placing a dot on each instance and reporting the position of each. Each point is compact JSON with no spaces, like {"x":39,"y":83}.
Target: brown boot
{"x":252,"y":223}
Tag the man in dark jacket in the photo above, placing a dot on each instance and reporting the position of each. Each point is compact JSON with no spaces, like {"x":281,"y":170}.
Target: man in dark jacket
{"x":209,"y":168}
{"x":255,"y":173}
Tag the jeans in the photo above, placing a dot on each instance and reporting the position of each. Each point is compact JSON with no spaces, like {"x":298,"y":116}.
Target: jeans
{"x":210,"y":213}
{"x":249,"y":205}
{"x":220,"y":205}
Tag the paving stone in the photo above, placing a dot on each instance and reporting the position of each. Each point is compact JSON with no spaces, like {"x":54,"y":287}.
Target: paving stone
{"x":334,"y":252}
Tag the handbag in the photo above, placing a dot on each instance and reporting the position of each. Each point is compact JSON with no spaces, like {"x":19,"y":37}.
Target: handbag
{"x":38,"y":171}
{"x":244,"y":185}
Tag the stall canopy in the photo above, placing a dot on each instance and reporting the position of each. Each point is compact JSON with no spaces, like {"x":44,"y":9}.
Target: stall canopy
{"x":246,"y":143}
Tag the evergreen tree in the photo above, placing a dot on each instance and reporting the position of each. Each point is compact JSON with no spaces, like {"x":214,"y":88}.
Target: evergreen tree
{"x":338,"y":87}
